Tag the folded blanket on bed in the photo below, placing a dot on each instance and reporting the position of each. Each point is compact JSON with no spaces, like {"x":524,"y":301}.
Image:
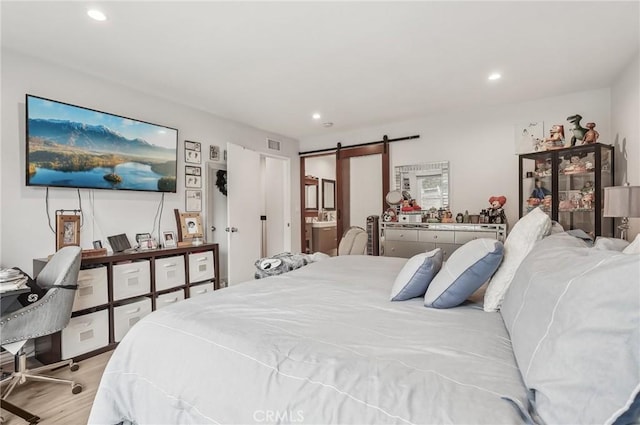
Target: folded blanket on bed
{"x":284,"y":262}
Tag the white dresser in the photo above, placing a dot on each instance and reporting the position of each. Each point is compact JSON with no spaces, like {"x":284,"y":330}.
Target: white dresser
{"x":408,"y":239}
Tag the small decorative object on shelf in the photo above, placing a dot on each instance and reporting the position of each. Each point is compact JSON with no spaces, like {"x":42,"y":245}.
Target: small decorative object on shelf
{"x":576,"y":165}
{"x":555,"y":139}
{"x":389,"y":215}
{"x":459,"y":218}
{"x":447,"y":217}
{"x":591,"y":136}
{"x":578,"y":130}
{"x":496,"y":213}
{"x":539,"y":191}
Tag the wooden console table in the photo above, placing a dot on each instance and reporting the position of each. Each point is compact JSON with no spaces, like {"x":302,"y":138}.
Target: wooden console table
{"x":115,"y":291}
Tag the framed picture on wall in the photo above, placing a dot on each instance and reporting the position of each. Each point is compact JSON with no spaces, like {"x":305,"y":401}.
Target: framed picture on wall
{"x":193,"y":200}
{"x":192,"y":171}
{"x":193,"y":181}
{"x":528,"y":136}
{"x":67,"y":230}
{"x":192,"y":146}
{"x":214,"y":153}
{"x":192,"y":157}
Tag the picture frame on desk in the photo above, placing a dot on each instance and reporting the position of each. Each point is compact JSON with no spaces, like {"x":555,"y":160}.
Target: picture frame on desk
{"x":169,"y":239}
{"x":67,"y":230}
{"x":189,"y":226}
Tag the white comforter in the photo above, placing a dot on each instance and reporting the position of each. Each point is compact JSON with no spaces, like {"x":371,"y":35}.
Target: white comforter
{"x":321,"y":344}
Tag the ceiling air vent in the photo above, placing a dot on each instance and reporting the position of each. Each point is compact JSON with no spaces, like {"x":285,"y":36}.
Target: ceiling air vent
{"x":274,"y":145}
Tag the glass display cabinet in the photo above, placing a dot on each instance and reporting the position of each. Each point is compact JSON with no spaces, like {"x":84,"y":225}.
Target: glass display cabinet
{"x":568,"y":184}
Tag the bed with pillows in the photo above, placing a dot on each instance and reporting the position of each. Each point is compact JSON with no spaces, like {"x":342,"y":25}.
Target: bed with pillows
{"x":362,"y":339}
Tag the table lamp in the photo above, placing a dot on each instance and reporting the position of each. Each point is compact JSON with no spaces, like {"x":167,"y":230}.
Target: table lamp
{"x":622,"y":201}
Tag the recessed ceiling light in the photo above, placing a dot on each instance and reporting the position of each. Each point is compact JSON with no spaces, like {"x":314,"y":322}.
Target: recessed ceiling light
{"x":327,"y":124}
{"x":495,"y":76}
{"x":97,"y":15}
{"x":316,"y":116}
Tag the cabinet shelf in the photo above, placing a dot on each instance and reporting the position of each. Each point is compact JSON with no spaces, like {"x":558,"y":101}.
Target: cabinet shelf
{"x":567,"y":184}
{"x":115,"y":291}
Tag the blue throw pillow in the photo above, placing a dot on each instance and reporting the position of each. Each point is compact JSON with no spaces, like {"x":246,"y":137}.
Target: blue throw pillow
{"x":465,"y":271}
{"x":415,"y":276}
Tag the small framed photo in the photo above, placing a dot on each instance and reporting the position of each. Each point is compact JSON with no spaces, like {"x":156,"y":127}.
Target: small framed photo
{"x":193,"y":181}
{"x":141,"y":238}
{"x":192,"y":146}
{"x":192,"y":171}
{"x":214,"y":153}
{"x":193,"y":200}
{"x":189,"y":225}
{"x":67,"y":231}
{"x":97,"y":244}
{"x":192,"y":157}
{"x":169,"y":239}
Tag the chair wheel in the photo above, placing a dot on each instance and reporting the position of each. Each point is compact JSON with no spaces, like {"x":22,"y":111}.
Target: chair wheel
{"x":74,"y":367}
{"x":76,"y":389}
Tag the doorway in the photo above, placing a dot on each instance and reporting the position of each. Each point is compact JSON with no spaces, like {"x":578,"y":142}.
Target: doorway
{"x":319,"y":212}
{"x":258,"y":210}
{"x":361,"y":184}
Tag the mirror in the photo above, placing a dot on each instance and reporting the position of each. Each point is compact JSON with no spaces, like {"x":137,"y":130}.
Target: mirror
{"x":427,"y":183}
{"x":328,"y":194}
{"x":311,"y":193}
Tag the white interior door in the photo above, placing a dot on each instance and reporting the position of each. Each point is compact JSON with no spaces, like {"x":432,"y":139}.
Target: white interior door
{"x":366,"y":186}
{"x":217,"y":215}
{"x":244,"y":229}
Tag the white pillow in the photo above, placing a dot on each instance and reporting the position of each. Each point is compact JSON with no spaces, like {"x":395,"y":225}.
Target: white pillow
{"x":526,"y":232}
{"x":633,"y":247}
{"x":416,"y":275}
{"x":610,"y":244}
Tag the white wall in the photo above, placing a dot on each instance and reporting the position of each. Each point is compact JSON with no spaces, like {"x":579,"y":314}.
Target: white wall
{"x":479,"y":144}
{"x":24,"y":229}
{"x":625,"y":116}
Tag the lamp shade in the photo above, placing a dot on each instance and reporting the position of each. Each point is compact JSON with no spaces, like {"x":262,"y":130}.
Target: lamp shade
{"x":622,"y":201}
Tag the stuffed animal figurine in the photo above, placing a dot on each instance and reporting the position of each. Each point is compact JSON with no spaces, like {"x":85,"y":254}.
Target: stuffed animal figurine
{"x":555,"y":139}
{"x":591,"y":136}
{"x":496,"y":212}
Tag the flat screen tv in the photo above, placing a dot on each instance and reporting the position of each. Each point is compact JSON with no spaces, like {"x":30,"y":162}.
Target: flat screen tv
{"x":72,"y":146}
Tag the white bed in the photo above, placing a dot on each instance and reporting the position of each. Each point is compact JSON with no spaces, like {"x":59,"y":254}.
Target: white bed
{"x":321,"y":344}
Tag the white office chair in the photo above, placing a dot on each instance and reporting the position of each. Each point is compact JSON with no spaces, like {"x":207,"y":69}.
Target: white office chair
{"x":48,"y":315}
{"x":353,"y":242}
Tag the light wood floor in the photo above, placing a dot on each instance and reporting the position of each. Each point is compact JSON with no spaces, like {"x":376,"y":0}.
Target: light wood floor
{"x":54,"y":403}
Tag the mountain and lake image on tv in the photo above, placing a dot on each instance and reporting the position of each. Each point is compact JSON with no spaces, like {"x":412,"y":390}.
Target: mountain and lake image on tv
{"x":71,"y":146}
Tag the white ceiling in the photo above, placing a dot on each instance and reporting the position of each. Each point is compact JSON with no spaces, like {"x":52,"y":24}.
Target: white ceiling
{"x":271,"y":65}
